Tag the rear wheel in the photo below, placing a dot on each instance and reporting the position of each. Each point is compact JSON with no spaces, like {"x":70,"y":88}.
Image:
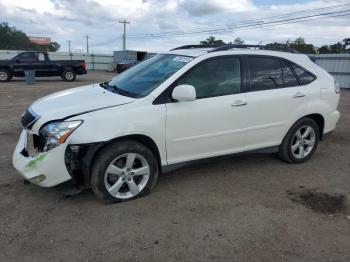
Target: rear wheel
{"x":123,"y":171}
{"x":68,"y":75}
{"x":5,"y":75}
{"x":300,"y":142}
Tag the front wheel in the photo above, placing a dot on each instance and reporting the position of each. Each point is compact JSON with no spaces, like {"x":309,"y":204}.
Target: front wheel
{"x":5,"y":75}
{"x":123,"y":171}
{"x":68,"y":75}
{"x":300,"y":142}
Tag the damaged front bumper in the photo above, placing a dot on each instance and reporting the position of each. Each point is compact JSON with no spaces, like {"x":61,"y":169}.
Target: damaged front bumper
{"x":46,"y":169}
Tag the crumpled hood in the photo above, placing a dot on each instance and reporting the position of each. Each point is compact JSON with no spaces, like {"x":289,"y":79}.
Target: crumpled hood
{"x":76,"y":101}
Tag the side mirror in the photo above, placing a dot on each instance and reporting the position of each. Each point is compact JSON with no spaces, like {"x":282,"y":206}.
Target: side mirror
{"x":184,"y":93}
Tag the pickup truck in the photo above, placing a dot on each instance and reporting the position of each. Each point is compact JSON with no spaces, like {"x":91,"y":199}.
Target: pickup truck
{"x":42,"y":65}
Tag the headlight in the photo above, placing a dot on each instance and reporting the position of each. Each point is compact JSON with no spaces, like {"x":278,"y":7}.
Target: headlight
{"x":56,"y":133}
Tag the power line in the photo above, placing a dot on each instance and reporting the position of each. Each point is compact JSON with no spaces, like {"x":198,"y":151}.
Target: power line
{"x":247,"y":24}
{"x":124,"y":22}
{"x":233,"y":28}
{"x":258,"y":20}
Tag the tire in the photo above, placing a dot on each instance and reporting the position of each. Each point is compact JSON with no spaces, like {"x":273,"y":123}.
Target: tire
{"x":298,"y":147}
{"x":68,"y":75}
{"x":5,"y":75}
{"x":111,"y":179}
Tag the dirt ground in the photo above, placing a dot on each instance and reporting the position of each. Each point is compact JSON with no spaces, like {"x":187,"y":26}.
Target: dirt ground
{"x":232,"y":209}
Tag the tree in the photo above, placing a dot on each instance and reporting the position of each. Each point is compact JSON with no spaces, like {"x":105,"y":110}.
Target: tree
{"x":211,"y":41}
{"x":300,"y":45}
{"x":238,"y":41}
{"x":324,"y":50}
{"x":346,"y":42}
{"x":13,"y":39}
{"x":337,"y":48}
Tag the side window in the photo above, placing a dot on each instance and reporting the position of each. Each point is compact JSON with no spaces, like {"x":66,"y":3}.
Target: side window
{"x":265,"y":73}
{"x":27,"y":57}
{"x":289,"y":78}
{"x":41,"y":57}
{"x":216,"y":77}
{"x":304,"y":76}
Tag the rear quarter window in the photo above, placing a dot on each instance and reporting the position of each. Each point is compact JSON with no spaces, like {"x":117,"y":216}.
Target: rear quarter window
{"x":305,"y":77}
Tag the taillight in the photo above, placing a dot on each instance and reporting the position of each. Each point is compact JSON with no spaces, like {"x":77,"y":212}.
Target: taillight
{"x":336,"y":87}
{"x":83,"y":65}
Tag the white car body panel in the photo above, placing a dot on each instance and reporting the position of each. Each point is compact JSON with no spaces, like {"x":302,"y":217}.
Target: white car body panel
{"x":182,"y":131}
{"x":73,"y":101}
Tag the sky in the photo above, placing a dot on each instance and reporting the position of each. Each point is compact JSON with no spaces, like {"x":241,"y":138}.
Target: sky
{"x":64,"y":20}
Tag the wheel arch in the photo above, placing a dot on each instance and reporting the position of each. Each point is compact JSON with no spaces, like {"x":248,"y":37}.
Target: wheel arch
{"x":319,"y":119}
{"x":8,"y":68}
{"x":91,"y":152}
{"x":142,"y":139}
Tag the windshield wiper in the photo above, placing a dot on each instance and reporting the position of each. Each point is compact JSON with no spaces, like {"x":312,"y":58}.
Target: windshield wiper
{"x":106,"y":86}
{"x":117,"y":90}
{"x":122,"y":92}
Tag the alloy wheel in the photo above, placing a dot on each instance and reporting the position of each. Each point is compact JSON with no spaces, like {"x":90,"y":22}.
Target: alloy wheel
{"x":69,"y":75}
{"x":127,"y":175}
{"x":303,"y":142}
{"x":3,"y":76}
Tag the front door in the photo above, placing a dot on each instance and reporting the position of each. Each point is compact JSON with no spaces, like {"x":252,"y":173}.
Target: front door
{"x":214,"y":124}
{"x":30,"y":61}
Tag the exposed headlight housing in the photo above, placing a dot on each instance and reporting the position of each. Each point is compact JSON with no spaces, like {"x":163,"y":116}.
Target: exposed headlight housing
{"x":56,"y":133}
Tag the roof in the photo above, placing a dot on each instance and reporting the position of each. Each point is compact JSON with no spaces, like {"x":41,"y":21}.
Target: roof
{"x":190,"y":52}
{"x":195,"y":52}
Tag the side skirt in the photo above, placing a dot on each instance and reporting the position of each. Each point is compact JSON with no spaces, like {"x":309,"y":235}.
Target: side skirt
{"x":172,"y":167}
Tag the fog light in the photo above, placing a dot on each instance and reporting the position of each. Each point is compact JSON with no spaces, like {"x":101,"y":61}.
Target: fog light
{"x":37,"y":179}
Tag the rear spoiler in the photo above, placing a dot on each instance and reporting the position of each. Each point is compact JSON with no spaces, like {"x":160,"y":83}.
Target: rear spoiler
{"x":312,"y":58}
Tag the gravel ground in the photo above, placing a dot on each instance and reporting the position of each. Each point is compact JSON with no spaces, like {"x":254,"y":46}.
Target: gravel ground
{"x":229,"y":209}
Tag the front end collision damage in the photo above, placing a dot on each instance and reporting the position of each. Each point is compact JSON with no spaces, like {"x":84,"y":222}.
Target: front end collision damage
{"x":78,"y":160}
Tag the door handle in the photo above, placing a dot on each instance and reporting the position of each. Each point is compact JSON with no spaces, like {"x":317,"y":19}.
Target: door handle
{"x":298,"y":94}
{"x":239,"y":103}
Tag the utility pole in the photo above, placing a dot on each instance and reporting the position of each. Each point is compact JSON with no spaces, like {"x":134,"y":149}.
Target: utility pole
{"x":69,"y":47}
{"x":124,"y":22}
{"x":87,"y":44}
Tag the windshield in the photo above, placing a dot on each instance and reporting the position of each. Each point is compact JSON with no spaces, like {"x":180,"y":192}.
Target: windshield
{"x":142,"y":79}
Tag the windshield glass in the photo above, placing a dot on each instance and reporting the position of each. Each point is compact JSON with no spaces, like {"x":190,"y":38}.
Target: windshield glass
{"x":142,"y":79}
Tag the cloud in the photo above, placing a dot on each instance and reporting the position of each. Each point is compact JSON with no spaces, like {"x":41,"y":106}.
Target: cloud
{"x":199,"y":8}
{"x":64,"y":20}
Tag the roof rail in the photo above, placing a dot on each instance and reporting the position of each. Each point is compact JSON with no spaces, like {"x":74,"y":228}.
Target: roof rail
{"x":195,"y":46}
{"x":282,"y":48}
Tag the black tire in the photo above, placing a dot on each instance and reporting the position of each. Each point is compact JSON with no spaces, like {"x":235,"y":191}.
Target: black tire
{"x":113,"y":151}
{"x":285,"y":149}
{"x":5,"y":75}
{"x":68,"y":75}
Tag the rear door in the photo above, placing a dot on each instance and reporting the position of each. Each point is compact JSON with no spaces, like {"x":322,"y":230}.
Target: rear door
{"x":274,"y":99}
{"x":42,"y":64}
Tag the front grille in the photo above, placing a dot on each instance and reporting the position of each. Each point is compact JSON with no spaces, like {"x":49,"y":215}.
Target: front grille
{"x":29,"y":118}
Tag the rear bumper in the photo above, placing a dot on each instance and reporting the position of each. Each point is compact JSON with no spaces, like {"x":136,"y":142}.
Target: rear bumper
{"x":48,"y":164}
{"x":330,"y":121}
{"x":81,"y":71}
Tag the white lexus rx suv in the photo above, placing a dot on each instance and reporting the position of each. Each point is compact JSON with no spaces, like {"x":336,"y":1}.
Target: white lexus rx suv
{"x":187,"y":104}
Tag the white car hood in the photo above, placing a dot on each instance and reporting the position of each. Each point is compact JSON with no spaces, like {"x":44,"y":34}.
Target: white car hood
{"x":76,"y":101}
